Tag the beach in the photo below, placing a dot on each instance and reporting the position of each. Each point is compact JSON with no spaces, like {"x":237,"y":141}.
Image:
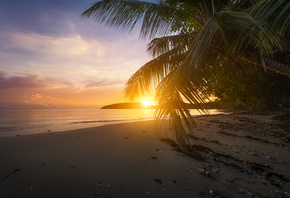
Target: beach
{"x":236,"y":155}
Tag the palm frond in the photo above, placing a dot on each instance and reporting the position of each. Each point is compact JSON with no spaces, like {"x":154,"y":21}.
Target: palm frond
{"x":173,"y":92}
{"x":149,"y":75}
{"x":243,"y":30}
{"x":275,"y":12}
{"x":200,"y":46}
{"x":161,"y":45}
{"x":125,"y":14}
{"x":236,"y":32}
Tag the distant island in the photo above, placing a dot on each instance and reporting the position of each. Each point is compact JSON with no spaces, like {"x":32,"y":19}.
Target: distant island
{"x":139,"y":105}
{"x":129,"y":105}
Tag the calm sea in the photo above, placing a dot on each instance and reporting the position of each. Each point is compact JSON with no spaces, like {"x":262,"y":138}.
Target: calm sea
{"x":32,"y":121}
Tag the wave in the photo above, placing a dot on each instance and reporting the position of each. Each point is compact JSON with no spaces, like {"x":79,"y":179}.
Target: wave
{"x":114,"y":120}
{"x":9,"y":128}
{"x":17,"y":128}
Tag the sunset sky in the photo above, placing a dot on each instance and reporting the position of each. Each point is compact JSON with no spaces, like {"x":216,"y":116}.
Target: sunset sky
{"x":51,"y":58}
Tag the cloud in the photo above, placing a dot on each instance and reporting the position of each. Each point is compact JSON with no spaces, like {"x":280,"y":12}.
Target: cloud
{"x":29,"y":81}
{"x":37,"y":96}
{"x":69,"y":57}
{"x":41,"y":16}
{"x":51,"y":49}
{"x":104,"y":83}
{"x":26,"y":91}
{"x":47,"y":49}
{"x":50,"y":37}
{"x":46,"y":101}
{"x":19,"y":82}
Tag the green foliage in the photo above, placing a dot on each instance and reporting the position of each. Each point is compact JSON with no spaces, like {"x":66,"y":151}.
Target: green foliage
{"x":250,"y":88}
{"x":188,"y":22}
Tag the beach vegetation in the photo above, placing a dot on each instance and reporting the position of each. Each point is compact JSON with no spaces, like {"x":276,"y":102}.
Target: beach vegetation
{"x":237,"y":51}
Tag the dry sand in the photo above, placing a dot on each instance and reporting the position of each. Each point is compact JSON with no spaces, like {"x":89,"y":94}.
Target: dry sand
{"x":243,"y":155}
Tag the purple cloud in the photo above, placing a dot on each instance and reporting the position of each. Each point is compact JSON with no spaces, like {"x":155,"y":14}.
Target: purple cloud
{"x":19,"y":82}
{"x":103,"y":83}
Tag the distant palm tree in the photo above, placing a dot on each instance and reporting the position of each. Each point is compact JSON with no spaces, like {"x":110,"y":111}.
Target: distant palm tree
{"x":196,"y":35}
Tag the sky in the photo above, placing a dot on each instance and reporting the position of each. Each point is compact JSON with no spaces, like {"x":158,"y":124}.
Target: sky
{"x":51,"y":58}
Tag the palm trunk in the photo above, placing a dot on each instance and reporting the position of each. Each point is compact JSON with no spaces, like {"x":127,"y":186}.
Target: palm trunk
{"x":269,"y":63}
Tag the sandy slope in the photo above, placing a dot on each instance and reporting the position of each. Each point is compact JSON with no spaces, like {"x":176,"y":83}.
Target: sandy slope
{"x":243,"y":155}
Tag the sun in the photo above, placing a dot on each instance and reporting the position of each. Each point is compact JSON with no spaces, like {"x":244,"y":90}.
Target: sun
{"x":147,"y":103}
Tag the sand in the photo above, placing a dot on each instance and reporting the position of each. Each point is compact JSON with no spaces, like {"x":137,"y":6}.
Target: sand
{"x":239,"y":155}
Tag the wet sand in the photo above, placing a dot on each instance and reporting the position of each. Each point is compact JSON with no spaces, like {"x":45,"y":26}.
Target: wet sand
{"x":238,"y":155}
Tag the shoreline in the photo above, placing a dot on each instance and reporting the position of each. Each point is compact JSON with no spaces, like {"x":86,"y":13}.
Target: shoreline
{"x":72,"y":129}
{"x":244,"y":155}
{"x":76,"y":125}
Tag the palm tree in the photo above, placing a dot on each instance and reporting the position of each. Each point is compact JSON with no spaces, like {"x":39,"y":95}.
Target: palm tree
{"x":195,"y":36}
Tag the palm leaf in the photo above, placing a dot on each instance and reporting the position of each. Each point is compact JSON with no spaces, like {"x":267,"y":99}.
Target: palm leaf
{"x":233,"y":32}
{"x":275,"y":12}
{"x":149,"y":75}
{"x":161,"y":45}
{"x":172,"y":94}
{"x":125,"y":14}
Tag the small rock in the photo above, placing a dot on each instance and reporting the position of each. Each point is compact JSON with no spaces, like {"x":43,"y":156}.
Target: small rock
{"x":158,"y":181}
{"x":203,"y":171}
{"x":246,"y":192}
{"x":280,"y":192}
{"x":216,"y":171}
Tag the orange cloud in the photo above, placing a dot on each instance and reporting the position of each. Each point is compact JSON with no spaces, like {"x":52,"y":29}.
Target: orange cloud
{"x":45,"y":100}
{"x":38,"y":95}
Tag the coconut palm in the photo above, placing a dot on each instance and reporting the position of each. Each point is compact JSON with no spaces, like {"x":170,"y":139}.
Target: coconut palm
{"x":195,"y":37}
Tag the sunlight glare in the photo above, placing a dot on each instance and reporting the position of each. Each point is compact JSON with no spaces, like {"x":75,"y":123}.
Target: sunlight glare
{"x":147,"y":103}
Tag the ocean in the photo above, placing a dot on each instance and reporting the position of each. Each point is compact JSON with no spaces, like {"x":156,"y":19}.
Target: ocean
{"x":31,"y":121}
